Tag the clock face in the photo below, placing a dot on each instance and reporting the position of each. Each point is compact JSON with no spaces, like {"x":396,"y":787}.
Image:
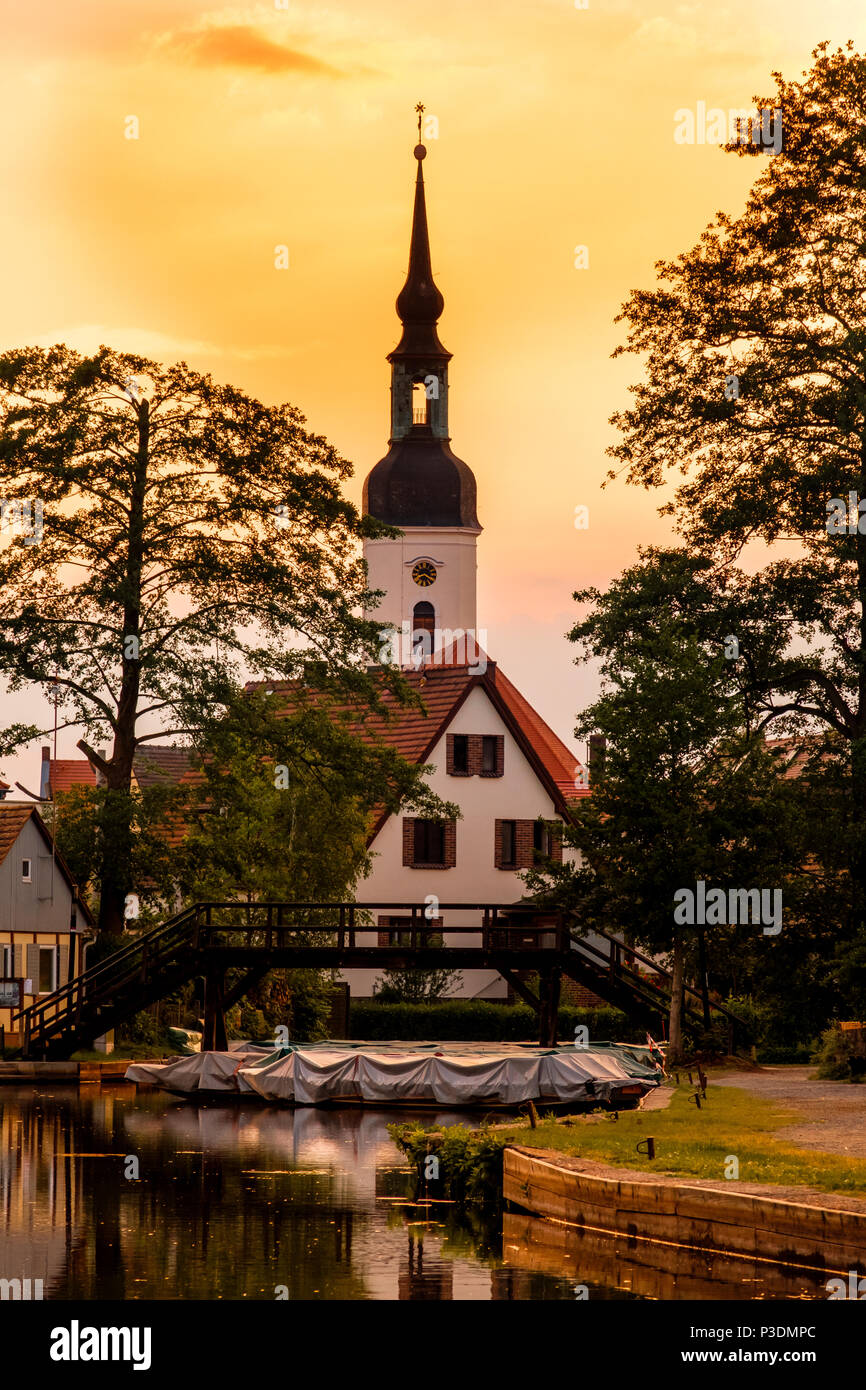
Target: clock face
{"x":424,"y":573}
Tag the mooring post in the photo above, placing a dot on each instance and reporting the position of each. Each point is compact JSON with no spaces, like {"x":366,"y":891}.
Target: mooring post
{"x":214,"y":1038}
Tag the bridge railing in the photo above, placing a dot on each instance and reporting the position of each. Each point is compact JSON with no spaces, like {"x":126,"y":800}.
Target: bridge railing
{"x":616,"y":960}
{"x":276,"y":925}
{"x":100,"y":982}
{"x":209,"y":926}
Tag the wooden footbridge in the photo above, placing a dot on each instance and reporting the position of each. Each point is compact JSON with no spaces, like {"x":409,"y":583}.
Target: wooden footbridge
{"x":211,"y":939}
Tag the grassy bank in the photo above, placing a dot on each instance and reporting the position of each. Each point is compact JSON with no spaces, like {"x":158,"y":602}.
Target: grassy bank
{"x":690,"y":1143}
{"x":698,"y":1143}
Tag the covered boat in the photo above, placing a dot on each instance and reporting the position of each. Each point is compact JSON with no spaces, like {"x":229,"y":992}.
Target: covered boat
{"x":393,"y":1073}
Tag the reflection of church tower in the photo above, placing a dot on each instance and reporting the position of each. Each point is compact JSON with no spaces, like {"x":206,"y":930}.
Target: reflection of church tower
{"x":428,"y":574}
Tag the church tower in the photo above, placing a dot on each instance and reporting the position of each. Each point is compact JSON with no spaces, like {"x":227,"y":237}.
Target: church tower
{"x":428,"y":573}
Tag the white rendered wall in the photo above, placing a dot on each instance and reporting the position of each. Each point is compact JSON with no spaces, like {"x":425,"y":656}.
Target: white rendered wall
{"x":517,"y":795}
{"x":452,"y":594}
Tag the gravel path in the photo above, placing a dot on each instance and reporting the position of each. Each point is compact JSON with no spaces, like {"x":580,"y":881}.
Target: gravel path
{"x":833,"y":1113}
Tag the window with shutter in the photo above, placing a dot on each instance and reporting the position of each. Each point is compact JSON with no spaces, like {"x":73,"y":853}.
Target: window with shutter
{"x":508,"y":844}
{"x":429,"y":842}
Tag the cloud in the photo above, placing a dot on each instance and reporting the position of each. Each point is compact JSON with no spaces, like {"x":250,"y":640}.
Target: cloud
{"x":87,"y":338}
{"x":241,"y":47}
{"x":679,"y":39}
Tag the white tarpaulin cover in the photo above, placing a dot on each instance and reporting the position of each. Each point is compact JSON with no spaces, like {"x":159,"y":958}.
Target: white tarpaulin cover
{"x":203,"y":1071}
{"x":388,"y":1073}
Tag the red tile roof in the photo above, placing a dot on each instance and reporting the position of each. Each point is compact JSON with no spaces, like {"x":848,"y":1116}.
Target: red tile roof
{"x":798,"y":754}
{"x":64,"y":773}
{"x":160,"y":762}
{"x":559,"y":761}
{"x":443,"y":683}
{"x":13,"y":817}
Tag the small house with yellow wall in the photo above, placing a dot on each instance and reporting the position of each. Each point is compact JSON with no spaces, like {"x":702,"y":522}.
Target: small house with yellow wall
{"x":44,"y":921}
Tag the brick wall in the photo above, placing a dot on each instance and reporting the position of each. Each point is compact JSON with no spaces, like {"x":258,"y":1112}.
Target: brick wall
{"x":580,"y":996}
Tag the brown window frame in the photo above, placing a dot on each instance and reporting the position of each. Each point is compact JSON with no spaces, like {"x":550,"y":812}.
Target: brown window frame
{"x":508,"y":863}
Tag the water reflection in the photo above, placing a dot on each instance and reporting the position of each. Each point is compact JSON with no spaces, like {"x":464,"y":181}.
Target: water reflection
{"x":236,"y":1202}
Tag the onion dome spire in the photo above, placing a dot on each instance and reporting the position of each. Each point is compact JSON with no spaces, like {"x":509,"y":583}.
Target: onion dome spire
{"x":420,"y":302}
{"x":420,"y":481}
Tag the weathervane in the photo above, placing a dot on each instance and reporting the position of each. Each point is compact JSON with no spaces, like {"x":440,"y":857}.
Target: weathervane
{"x":420,"y":109}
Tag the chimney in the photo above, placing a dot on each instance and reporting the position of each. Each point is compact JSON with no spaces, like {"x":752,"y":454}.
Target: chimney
{"x":596,"y":755}
{"x":45,"y":775}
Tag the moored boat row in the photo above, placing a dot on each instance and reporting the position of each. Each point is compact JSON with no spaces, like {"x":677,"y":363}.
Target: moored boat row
{"x":451,"y":1074}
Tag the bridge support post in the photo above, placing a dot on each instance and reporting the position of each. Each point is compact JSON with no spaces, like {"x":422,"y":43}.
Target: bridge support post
{"x":549,"y":985}
{"x":214,"y":1037}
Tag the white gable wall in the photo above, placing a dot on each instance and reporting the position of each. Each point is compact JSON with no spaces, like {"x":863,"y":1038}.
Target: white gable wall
{"x":517,"y":795}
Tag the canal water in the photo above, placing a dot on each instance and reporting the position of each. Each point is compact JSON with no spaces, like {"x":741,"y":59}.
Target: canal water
{"x":109,"y":1194}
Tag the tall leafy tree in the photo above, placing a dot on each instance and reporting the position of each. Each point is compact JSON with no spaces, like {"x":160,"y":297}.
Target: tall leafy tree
{"x":281,"y":808}
{"x":755,"y":390}
{"x":189,"y":533}
{"x":688,"y":791}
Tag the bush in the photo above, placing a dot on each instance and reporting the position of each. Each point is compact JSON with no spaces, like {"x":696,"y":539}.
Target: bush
{"x":470,"y":1161}
{"x":777,"y":1035}
{"x":479,"y":1020}
{"x":839,"y":1056}
{"x":142,"y":1030}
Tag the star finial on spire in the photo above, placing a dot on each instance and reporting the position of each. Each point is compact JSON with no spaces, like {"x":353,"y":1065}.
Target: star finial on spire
{"x":420,"y":109}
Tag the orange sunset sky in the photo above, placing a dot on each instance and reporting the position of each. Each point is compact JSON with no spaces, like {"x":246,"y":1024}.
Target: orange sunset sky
{"x":263,"y":125}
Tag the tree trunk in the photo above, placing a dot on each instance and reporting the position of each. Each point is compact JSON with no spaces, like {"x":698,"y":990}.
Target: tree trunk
{"x":116,"y":868}
{"x":675,"y":1026}
{"x":858,"y":744}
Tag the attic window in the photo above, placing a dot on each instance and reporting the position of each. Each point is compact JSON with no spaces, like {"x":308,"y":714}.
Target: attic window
{"x":26,"y":871}
{"x":492,"y":755}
